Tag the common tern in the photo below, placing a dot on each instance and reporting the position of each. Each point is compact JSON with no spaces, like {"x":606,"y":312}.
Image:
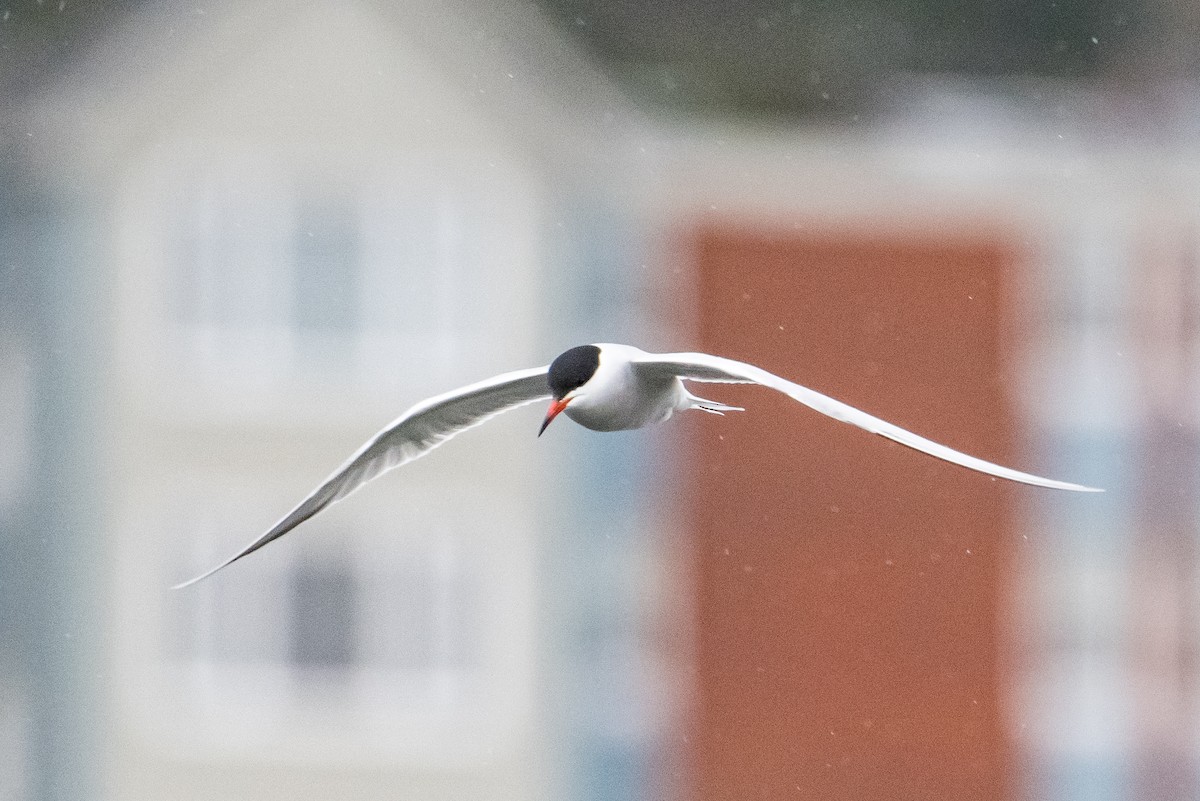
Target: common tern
{"x":604,"y":387}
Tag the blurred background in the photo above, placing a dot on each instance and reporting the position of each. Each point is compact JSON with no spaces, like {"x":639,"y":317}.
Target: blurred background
{"x":238,"y":239}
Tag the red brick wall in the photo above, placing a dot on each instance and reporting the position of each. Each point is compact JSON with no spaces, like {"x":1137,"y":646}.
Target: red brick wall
{"x":847,"y":587}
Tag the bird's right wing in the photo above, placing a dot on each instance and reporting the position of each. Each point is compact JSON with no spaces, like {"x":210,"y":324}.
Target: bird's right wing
{"x":705,"y":367}
{"x":414,"y":434}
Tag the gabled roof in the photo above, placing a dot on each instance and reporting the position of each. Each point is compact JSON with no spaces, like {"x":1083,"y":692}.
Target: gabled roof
{"x":444,"y":71}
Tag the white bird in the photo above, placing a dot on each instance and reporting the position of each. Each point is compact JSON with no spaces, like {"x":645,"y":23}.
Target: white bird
{"x":604,"y":387}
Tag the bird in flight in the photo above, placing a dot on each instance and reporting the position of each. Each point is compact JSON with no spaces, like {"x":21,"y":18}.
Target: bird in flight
{"x":604,"y":387}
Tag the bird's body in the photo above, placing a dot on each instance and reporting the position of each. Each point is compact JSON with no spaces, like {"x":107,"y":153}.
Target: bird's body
{"x":622,"y":400}
{"x":603,"y":387}
{"x":626,"y":397}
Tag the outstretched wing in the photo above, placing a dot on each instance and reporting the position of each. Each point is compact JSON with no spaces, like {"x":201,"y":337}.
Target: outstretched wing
{"x":414,"y":434}
{"x":703,"y":367}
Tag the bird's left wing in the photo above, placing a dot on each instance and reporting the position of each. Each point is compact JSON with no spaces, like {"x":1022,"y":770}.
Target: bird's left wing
{"x":704,"y":367}
{"x":414,"y":434}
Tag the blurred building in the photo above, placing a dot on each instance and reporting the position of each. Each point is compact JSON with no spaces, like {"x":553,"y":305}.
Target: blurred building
{"x":239,"y":240}
{"x":1014,"y":272}
{"x":264,"y":230}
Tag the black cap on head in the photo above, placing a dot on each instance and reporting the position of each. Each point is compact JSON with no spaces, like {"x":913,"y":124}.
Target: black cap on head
{"x":572,"y":369}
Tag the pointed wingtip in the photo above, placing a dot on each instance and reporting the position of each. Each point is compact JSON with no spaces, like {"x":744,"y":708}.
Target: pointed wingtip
{"x":1068,"y":485}
{"x":183,"y":584}
{"x":1060,"y":485}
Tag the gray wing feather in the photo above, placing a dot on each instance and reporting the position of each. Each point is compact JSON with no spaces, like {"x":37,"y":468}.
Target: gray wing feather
{"x":706,"y":368}
{"x":412,"y":435}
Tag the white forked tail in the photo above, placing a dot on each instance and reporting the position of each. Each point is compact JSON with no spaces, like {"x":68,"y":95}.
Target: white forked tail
{"x":712,"y":407}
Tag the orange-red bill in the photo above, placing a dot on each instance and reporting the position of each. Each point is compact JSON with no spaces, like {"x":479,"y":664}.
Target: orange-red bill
{"x":556,"y":407}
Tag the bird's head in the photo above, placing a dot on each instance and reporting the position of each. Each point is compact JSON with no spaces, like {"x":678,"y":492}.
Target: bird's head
{"x":567,"y":376}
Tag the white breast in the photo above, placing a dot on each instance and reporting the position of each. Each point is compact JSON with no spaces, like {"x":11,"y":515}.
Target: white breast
{"x":618,"y":399}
